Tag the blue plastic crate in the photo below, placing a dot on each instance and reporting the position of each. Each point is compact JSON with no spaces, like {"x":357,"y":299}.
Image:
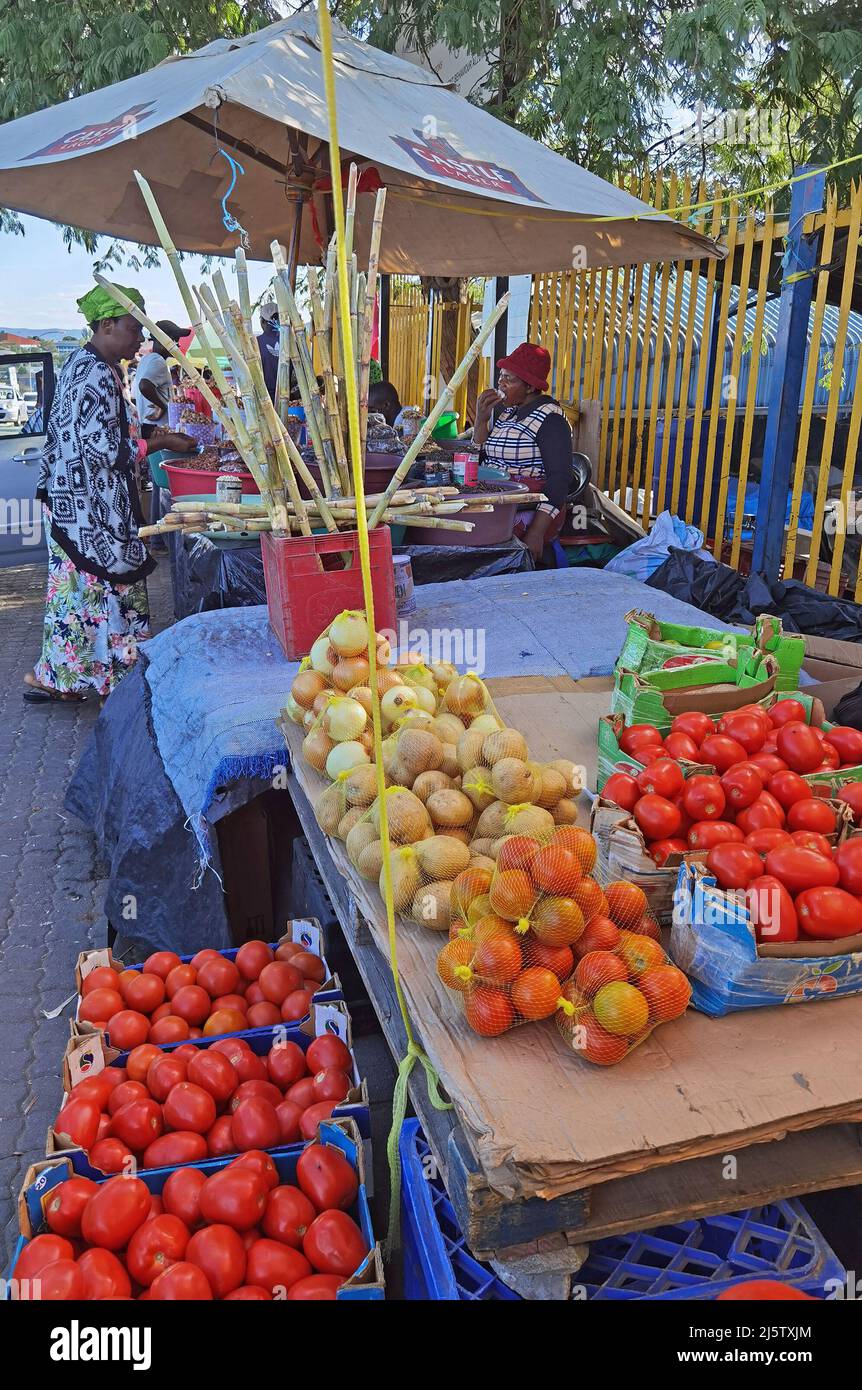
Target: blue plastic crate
{"x":688,"y":1260}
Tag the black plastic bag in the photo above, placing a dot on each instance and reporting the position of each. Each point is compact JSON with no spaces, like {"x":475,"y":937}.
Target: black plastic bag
{"x":849,"y":709}
{"x":715,"y":589}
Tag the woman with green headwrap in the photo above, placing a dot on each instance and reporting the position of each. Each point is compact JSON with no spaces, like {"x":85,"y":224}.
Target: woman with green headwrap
{"x":96,"y":610}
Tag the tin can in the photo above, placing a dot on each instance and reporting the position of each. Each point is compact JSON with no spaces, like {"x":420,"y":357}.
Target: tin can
{"x":405,"y":599}
{"x":465,"y":470}
{"x":228,"y":488}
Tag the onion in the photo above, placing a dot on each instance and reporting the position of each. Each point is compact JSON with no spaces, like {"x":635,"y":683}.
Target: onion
{"x":306,"y":685}
{"x":344,"y":719}
{"x":383,"y":649}
{"x":485,"y":724}
{"x":309,"y":719}
{"x":362,"y":693}
{"x":350,"y":671}
{"x":348,"y":633}
{"x":344,"y":757}
{"x":295,"y":711}
{"x":396,"y":702}
{"x":321,"y":701}
{"x":316,"y":747}
{"x":387,"y":680}
{"x":320,"y":656}
{"x":425,"y":700}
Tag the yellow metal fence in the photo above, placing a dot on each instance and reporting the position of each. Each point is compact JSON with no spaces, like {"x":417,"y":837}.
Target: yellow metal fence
{"x":416,"y":334}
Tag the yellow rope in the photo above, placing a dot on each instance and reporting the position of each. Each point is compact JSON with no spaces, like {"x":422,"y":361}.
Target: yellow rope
{"x":414,"y":1052}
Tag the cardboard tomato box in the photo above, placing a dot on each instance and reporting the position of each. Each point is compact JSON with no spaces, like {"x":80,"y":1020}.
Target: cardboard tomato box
{"x":713,"y":941}
{"x":89,"y":1055}
{"x":366,"y":1282}
{"x":650,"y":642}
{"x":305,"y":930}
{"x":713,"y":687}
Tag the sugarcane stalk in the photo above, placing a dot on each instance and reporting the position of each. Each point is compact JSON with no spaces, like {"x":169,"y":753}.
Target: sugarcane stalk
{"x":368,"y":315}
{"x":333,"y":480}
{"x":242,"y":285}
{"x":330,"y":395}
{"x":350,"y":209}
{"x":443,"y":402}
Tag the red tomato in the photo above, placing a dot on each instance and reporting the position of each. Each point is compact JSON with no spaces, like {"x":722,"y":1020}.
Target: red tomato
{"x":191,"y":1003}
{"x":264,"y":1015}
{"x":213,"y":1073}
{"x":748,"y":729}
{"x":104,"y":1276}
{"x":760,"y":815}
{"x":275,"y":1266}
{"x":317,"y":1288}
{"x":111,"y":1156}
{"x":289,"y":1116}
{"x":182,"y":1281}
{"x":180,"y":1146}
{"x":261,"y":1163}
{"x":741,"y":786}
{"x":127,"y":1091}
{"x":768,"y":764}
{"x":799,"y":746}
{"x":169,"y":1029}
{"x":142,"y":991}
{"x":235,"y":1197}
{"x":254,"y":994}
{"x":254,"y":1125}
{"x":334,"y":1244}
{"x":179,"y":977}
{"x":79,"y":1119}
{"x":278,"y":980}
{"x":313,"y":1116}
{"x":200,"y":957}
{"x":181,"y":1195}
{"x":622,"y":790}
{"x":704,"y":798}
{"x":765,"y":840}
{"x":251,"y":957}
{"x":65,"y":1204}
{"x":155,"y":1246}
{"x":97,"y":1088}
{"x":681,"y":746}
{"x":288,"y":1215}
{"x":138,"y":1124}
{"x":771,"y":908}
{"x":851,"y":793}
{"x":295,"y":1007}
{"x":831,"y":759}
{"x":685,"y":822}
{"x":705,"y":834}
{"x":848,"y":857}
{"x":661,"y":850}
{"x":286,"y":1064}
{"x":812,"y":839}
{"x":788,"y":788}
{"x":847,"y":742}
{"x":190,"y":1107}
{"x":249,"y":1293}
{"x":799,"y":868}
{"x":129,"y":1029}
{"x":326,"y":1177}
{"x":769,"y":1290}
{"x":639,"y":736}
{"x":328,"y":1051}
{"x":115,"y":1212}
{"x":60,"y":1282}
{"x":100,"y":1005}
{"x":331,"y":1084}
{"x":103,"y":977}
{"x":828,"y":914}
{"x":255,"y":1090}
{"x":230,"y":1001}
{"x":164,"y":1073}
{"x":695,"y":725}
{"x":218,"y":976}
{"x":786,"y":712}
{"x":161,"y":963}
{"x":734,"y":865}
{"x":220,"y":1138}
{"x":219,"y":1251}
{"x":663,"y":777}
{"x":163,"y":1011}
{"x":657,"y":817}
{"x":722,"y":752}
{"x":40,"y":1252}
{"x":812,"y":814}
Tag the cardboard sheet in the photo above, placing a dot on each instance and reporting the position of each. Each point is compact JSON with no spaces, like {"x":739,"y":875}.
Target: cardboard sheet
{"x":542,"y":1121}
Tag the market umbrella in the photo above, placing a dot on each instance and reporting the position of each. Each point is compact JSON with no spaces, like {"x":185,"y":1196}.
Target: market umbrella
{"x":467,"y":195}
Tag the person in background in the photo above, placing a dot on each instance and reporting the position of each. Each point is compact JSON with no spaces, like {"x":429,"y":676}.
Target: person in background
{"x":267,"y":342}
{"x":96,"y":609}
{"x":196,"y":398}
{"x":530,"y":438}
{"x":383,"y":400}
{"x":153,"y":380}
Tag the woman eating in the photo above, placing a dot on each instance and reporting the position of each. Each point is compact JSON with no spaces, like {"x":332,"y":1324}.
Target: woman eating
{"x":531,"y":439}
{"x":96,"y":609}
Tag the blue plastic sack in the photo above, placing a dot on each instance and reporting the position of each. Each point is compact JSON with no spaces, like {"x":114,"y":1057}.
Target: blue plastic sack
{"x":643,"y":558}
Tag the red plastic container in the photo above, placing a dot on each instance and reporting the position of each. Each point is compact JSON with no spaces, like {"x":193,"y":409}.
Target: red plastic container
{"x":187,"y":482}
{"x":307,"y":586}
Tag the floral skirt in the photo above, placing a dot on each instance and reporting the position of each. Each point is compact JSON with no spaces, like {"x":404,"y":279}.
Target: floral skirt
{"x":92,"y":627}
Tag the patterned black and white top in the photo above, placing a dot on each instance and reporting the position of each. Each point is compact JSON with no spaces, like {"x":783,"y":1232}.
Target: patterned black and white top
{"x":87,"y":476}
{"x":534,"y":441}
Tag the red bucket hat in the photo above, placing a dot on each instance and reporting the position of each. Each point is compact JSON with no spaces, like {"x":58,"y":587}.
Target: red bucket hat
{"x":529,"y":363}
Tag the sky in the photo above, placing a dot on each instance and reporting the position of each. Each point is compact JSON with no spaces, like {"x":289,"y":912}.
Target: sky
{"x":40,"y":280}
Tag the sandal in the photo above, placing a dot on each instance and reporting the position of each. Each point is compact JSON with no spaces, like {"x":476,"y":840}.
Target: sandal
{"x":39,"y":694}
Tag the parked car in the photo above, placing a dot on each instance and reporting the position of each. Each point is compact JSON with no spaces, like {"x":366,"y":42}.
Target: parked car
{"x":13,"y":407}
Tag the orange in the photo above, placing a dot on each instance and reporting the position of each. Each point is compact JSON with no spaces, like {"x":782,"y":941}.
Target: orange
{"x":597,"y":969}
{"x":667,"y":992}
{"x":601,"y":935}
{"x":556,"y":870}
{"x":536,"y":992}
{"x":580,"y":842}
{"x":626,"y":903}
{"x":640,"y":953}
{"x":590,"y":899}
{"x":621,"y":1009}
{"x":598,"y":1045}
{"x":489,"y":1011}
{"x":517,"y":852}
{"x":557,"y":921}
{"x":512,"y":894}
{"x":454,"y":953}
{"x":497,"y":958}
{"x":470,"y":884}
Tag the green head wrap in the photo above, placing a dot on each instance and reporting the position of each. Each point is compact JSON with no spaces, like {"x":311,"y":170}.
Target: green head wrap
{"x":99,"y":304}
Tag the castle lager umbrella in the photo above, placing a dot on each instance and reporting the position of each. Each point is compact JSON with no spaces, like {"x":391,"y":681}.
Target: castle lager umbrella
{"x":467,"y":195}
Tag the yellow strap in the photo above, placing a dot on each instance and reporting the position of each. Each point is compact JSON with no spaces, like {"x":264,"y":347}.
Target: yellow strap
{"x":414,"y":1051}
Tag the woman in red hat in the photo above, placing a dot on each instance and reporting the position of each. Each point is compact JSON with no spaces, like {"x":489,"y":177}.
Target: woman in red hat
{"x":530,"y":438}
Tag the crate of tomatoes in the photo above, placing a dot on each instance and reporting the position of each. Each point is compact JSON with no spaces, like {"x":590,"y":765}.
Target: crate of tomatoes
{"x":292,"y":1225}
{"x":171,"y":998}
{"x":182,"y":1102}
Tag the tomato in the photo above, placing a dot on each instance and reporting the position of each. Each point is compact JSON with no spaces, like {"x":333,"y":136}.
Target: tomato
{"x":164,"y":1073}
{"x":190,"y":1107}
{"x":722,"y":752}
{"x":799,"y":746}
{"x":191,"y":1003}
{"x":181,"y":1195}
{"x":657,"y":817}
{"x":220,"y":1138}
{"x":334,"y":1244}
{"x":828,"y":914}
{"x":141,"y":991}
{"x":851,"y":793}
{"x":163,"y":1011}
{"x":129,"y":1029}
{"x":786,"y":712}
{"x":103,"y":977}
{"x":764,"y":840}
{"x":661,"y":850}
{"x":663,"y":777}
{"x":555,"y":869}
{"x":59,"y":1282}
{"x":601,"y":1047}
{"x":799,"y":868}
{"x":100,"y":1005}
{"x":310,"y":966}
{"x":254,"y":1125}
{"x":178,"y":978}
{"x":104,"y":1276}
{"x":694,"y":724}
{"x":770,"y":1290}
{"x":734,"y":865}
{"x":622,"y":790}
{"x":771,"y":909}
{"x":40,"y":1252}
{"x":156,"y":1245}
{"x":218,"y":976}
{"x":331,"y":1084}
{"x":254,"y":1090}
{"x":278,"y":980}
{"x":489,"y":1012}
{"x":831,"y":759}
{"x":251,"y":957}
{"x":138,"y":1123}
{"x":110,"y":1156}
{"x":235,"y":1197}
{"x":681,"y":747}
{"x":289,"y":1116}
{"x":161,"y":963}
{"x":264,"y":1015}
{"x":200,"y":957}
{"x":812,"y":839}
{"x":97,"y":1088}
{"x":275,"y":1266}
{"x":182,"y":1281}
{"x":704,"y":798}
{"x":225,"y":1021}
{"x":231,"y":1001}
{"x":288,"y":1215}
{"x":180,"y":1146}
{"x":249,"y":1293}
{"x":847,"y":742}
{"x":65,"y":1205}
{"x":220,"y":1253}
{"x":79,"y":1119}
{"x":761,"y":815}
{"x":317,"y":1288}
{"x":213,"y":1073}
{"x":314,"y":1116}
{"x":848,"y":857}
{"x":741,"y":786}
{"x":124,"y":1093}
{"x":788,"y":788}
{"x":812,"y":814}
{"x":256,"y":1161}
{"x":169,"y":1029}
{"x":639,"y":736}
{"x":667,"y":992}
{"x":748,"y":729}
{"x":115,"y":1212}
{"x":599,"y":968}
{"x":768,"y":764}
{"x":707,"y":833}
{"x":286,"y":1064}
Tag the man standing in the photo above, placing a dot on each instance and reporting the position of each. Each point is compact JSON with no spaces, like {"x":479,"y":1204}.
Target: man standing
{"x":153,"y":381}
{"x":267,"y":342}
